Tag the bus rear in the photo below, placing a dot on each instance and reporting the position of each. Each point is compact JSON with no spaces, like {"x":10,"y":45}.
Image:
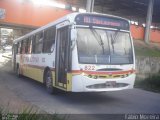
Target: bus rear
{"x":103,"y":57}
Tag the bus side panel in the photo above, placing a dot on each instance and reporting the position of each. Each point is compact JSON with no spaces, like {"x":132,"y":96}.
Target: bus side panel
{"x":69,"y":81}
{"x":33,"y":65}
{"x":34,"y":73}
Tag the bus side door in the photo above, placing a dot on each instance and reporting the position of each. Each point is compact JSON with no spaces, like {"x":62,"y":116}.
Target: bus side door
{"x":62,"y":56}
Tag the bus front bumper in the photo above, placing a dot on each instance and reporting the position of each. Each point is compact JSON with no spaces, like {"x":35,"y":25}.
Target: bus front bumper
{"x":84,"y":84}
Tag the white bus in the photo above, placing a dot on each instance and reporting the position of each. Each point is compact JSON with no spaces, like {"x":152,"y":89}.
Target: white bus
{"x":81,"y":52}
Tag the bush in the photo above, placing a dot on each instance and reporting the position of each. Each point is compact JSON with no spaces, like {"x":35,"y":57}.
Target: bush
{"x":152,"y":83}
{"x":28,"y":114}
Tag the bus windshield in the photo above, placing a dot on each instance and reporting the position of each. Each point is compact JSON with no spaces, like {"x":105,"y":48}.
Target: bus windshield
{"x":99,"y":46}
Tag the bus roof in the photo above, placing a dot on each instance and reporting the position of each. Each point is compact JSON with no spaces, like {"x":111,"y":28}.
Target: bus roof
{"x":70,"y":17}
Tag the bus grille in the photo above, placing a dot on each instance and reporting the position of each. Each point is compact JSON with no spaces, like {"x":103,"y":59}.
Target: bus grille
{"x":104,"y":85}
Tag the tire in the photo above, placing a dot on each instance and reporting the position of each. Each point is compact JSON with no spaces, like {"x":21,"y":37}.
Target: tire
{"x":18,"y":71}
{"x":49,"y":82}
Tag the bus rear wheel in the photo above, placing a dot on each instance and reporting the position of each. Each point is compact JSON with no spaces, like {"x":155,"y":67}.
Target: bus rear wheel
{"x":18,"y":71}
{"x":49,"y":82}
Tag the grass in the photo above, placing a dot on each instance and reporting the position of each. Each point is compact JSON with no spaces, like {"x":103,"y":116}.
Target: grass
{"x":28,"y":114}
{"x":151,"y":84}
{"x":141,"y":51}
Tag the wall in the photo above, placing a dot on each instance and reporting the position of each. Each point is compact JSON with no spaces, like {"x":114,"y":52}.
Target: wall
{"x":147,"y":66}
{"x":138,"y":34}
{"x":155,"y":36}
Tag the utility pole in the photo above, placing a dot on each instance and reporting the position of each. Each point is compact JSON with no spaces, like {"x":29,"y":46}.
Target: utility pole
{"x":149,"y":21}
{"x":90,"y":5}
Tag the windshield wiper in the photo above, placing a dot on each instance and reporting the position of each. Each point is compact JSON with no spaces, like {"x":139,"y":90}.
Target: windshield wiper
{"x":98,"y":38}
{"x":113,"y":39}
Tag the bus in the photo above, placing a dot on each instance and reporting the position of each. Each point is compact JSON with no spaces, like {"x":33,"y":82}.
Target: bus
{"x":80,"y":52}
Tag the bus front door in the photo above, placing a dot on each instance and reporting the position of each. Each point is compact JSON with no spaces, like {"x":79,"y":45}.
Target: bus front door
{"x":62,"y":56}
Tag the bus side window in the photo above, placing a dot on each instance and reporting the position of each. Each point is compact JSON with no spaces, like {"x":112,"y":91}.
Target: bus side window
{"x":33,"y":44}
{"x":39,"y":42}
{"x":26,"y":46}
{"x":49,"y":40}
{"x":29,"y":45}
{"x":19,"y":47}
{"x":14,"y":48}
{"x":23,"y":46}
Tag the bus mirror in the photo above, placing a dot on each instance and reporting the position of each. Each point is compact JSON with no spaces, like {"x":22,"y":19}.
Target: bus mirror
{"x":73,"y":37}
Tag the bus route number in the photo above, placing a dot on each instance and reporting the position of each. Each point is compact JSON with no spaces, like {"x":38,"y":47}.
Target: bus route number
{"x":89,"y":67}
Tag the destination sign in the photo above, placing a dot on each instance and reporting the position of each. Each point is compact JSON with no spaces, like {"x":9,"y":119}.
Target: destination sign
{"x":102,"y":21}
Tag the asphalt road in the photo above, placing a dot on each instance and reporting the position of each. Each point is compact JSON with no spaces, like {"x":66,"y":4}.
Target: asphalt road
{"x":127,"y":101}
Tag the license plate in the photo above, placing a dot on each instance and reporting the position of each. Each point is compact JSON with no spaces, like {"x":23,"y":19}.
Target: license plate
{"x":110,"y":83}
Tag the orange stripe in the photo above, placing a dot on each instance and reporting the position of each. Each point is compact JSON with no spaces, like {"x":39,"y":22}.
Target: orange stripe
{"x":86,"y":72}
{"x":95,"y":72}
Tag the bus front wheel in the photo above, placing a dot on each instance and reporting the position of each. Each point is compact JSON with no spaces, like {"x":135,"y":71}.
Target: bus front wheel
{"x":49,"y":82}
